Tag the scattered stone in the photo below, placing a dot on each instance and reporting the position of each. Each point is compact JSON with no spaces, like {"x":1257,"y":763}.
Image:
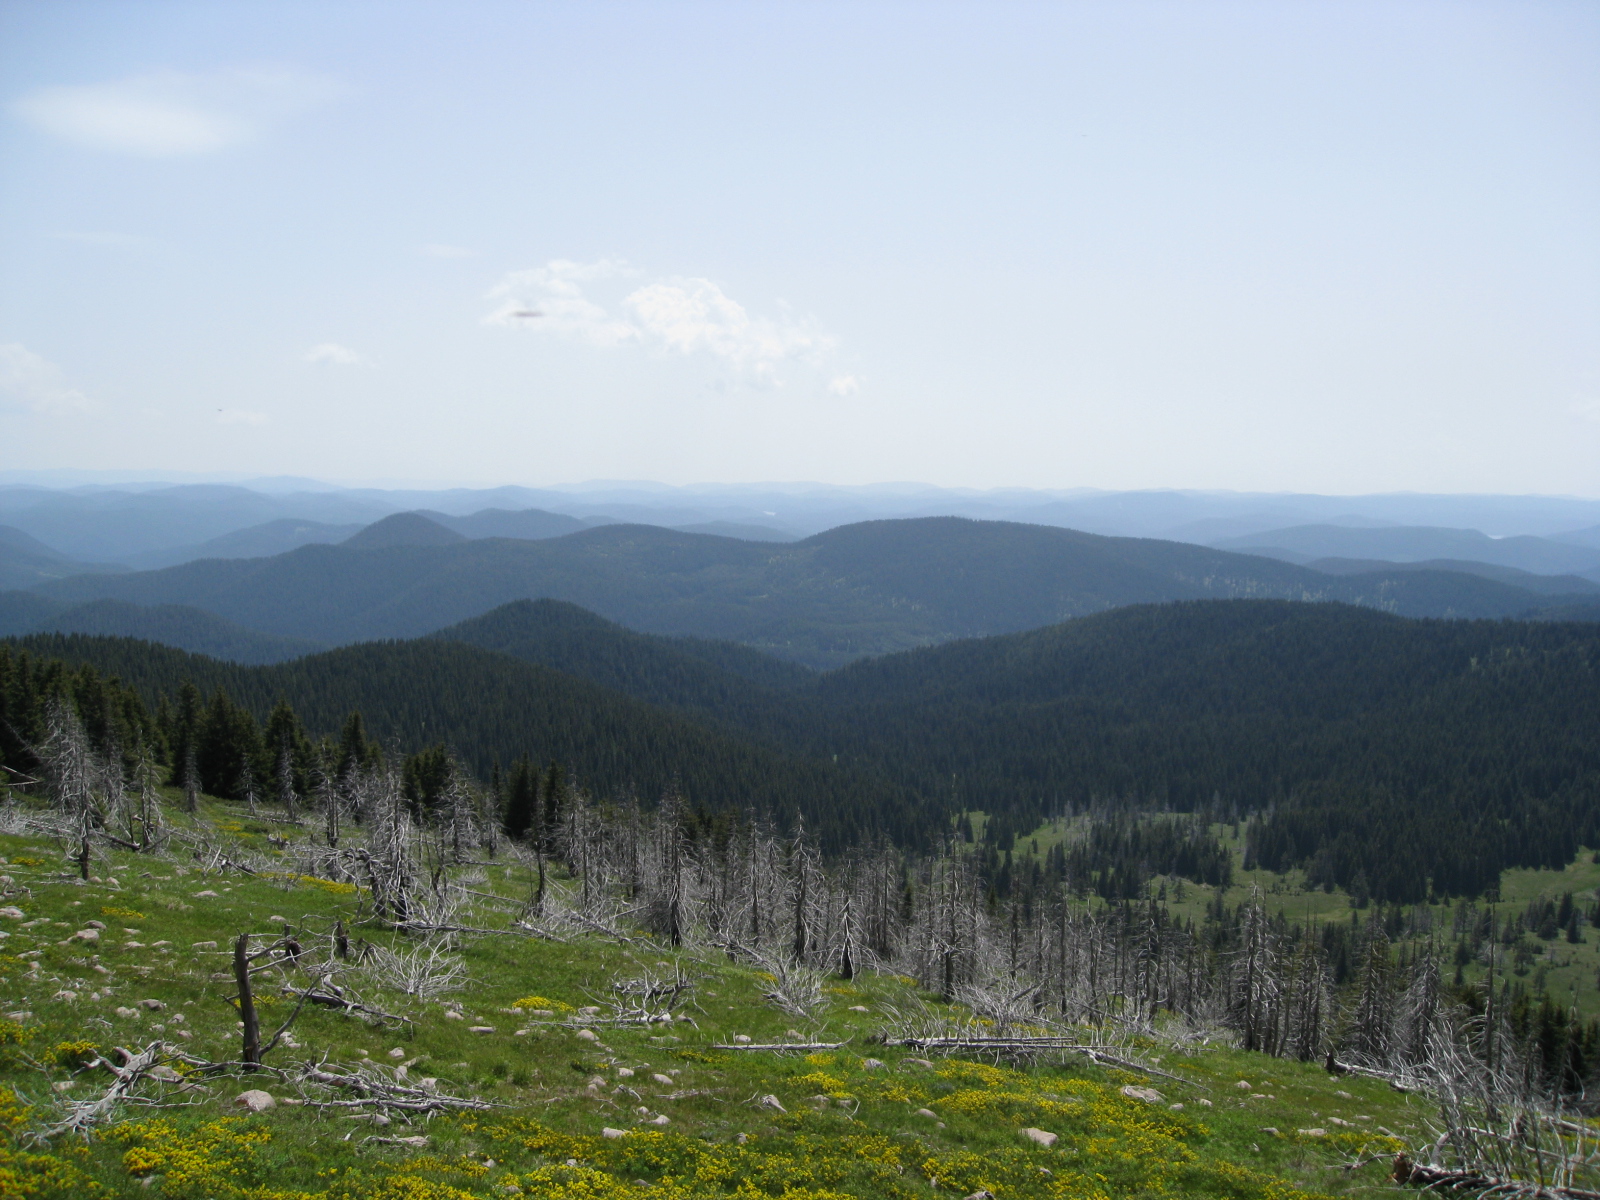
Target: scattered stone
{"x":588,"y":1035}
{"x":85,"y":935}
{"x":152,"y":1005}
{"x":480,"y":1029}
{"x":927,"y":1112}
{"x":111,"y":882}
{"x":1176,"y":1107}
{"x":793,"y":1033}
{"x":1346,"y":1095}
{"x":819,"y":1100}
{"x":1339,"y":1121}
{"x":541,"y":1012}
{"x":451,"y":1014}
{"x":771,"y":1101}
{"x":741,"y":1138}
{"x":624,"y":1072}
{"x":597,"y":1081}
{"x":1148,"y":1095}
{"x":609,"y":1132}
{"x":64,"y":994}
{"x":202,"y":945}
{"x":659,"y":1078}
{"x":871,"y":1064}
{"x":1362,"y":1117}
{"x":99,"y":970}
{"x":591,"y":1010}
{"x":858,"y":1008}
{"x":663,"y":1119}
{"x":277,"y":920}
{"x":417,"y":1141}
{"x":1243,"y":1085}
{"x":207,"y":892}
{"x":981,"y":1194}
{"x":165,"y":1074}
{"x":255,"y":1100}
{"x":95,"y":924}
{"x":1259,"y":1096}
{"x":1312,"y":1133}
{"x":397,"y":1052}
{"x":126,"y":1013}
{"x":1042,"y":1136}
{"x":742,"y":1039}
{"x":1272,"y":1129}
{"x":1204,"y":1103}
{"x":12,"y":912}
{"x":920,"y":1062}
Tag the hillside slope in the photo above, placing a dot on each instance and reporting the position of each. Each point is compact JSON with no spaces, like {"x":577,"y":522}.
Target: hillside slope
{"x":854,"y":591}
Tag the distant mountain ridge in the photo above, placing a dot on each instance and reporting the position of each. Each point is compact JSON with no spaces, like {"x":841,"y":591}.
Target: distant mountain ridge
{"x":176,"y":625}
{"x":1303,"y":543}
{"x":859,"y":590}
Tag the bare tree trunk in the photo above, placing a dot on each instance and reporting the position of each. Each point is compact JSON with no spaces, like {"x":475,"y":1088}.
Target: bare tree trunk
{"x":251,"y":1053}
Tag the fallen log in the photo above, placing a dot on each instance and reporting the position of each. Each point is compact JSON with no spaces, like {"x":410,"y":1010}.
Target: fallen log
{"x":1443,"y":1179}
{"x":781,"y":1046}
{"x":1036,"y":1045}
{"x":83,"y":1115}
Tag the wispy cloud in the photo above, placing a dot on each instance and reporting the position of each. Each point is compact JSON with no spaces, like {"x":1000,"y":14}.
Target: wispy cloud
{"x":843,"y":385}
{"x":608,"y":304}
{"x":33,"y":383}
{"x":170,"y":114}
{"x":438,"y":250}
{"x":240,"y":416}
{"x":334,"y":355}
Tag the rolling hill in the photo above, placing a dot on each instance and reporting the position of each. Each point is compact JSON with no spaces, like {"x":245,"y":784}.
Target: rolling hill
{"x":1301,"y":543}
{"x":859,"y":590}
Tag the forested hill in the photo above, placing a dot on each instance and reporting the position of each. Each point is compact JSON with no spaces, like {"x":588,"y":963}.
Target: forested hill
{"x":1384,"y":754}
{"x":488,"y":708}
{"x":870,"y":588}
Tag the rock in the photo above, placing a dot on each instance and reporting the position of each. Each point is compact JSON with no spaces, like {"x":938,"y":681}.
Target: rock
{"x":12,"y":912}
{"x":416,"y":1141}
{"x":1204,"y":1103}
{"x":1176,"y":1107}
{"x":793,"y":1033}
{"x":277,"y":920}
{"x":255,"y":1100}
{"x":1312,"y":1133}
{"x":659,"y":1078}
{"x":451,"y":1014}
{"x":1346,"y":1095}
{"x":1243,"y":1085}
{"x":624,"y":1072}
{"x":588,"y":1035}
{"x":202,"y":945}
{"x":152,"y":1005}
{"x":771,"y":1101}
{"x":1272,"y":1129}
{"x":927,"y":1112}
{"x":609,"y":1132}
{"x":397,"y":1052}
{"x":111,"y":882}
{"x":819,"y":1100}
{"x":126,"y":1013}
{"x":207,"y":892}
{"x":663,"y":1119}
{"x":920,"y":1062}
{"x":871,"y":1064}
{"x":858,"y":1008}
{"x":1042,"y":1136}
{"x":480,"y":1029}
{"x":597,"y":1081}
{"x":1148,"y":1095}
{"x":981,"y":1194}
{"x":69,"y":997}
{"x":165,"y":1074}
{"x":95,"y":924}
{"x":742,"y":1138}
{"x":590,"y":1010}
{"x":1338,"y":1121}
{"x":742,"y":1039}
{"x":85,"y":935}
{"x":541,"y":1012}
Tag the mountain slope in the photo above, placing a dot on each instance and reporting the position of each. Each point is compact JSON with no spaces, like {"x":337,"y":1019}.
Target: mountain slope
{"x":857,"y":590}
{"x":1543,"y":556}
{"x":257,"y":541}
{"x":403,"y":529}
{"x":491,"y":708}
{"x":1544,"y":585}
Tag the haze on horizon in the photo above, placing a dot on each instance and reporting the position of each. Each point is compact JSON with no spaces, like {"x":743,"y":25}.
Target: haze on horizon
{"x":1313,"y":247}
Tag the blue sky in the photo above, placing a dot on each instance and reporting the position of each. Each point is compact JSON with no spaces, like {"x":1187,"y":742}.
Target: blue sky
{"x":1334,"y":247}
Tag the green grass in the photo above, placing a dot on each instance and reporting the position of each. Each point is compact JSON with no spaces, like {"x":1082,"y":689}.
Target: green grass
{"x":865,"y":1140}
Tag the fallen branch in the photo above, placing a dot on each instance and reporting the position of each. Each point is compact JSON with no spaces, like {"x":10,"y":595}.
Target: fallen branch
{"x":1035,"y":1045}
{"x":1442,"y":1179}
{"x":373,"y":1091}
{"x":330,"y":1000}
{"x":781,"y":1045}
{"x":83,"y":1115}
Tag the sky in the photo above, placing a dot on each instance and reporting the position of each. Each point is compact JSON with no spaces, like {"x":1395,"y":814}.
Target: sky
{"x":1335,"y":247}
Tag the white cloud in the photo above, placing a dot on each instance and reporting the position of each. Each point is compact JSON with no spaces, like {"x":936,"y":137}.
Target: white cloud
{"x":169,"y":114}
{"x":436,"y":250}
{"x":1589,"y":410}
{"x":333,"y":354}
{"x":686,"y":315}
{"x":30,"y":382}
{"x":844,"y":385}
{"x":550,"y":299}
{"x":240,"y":416}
